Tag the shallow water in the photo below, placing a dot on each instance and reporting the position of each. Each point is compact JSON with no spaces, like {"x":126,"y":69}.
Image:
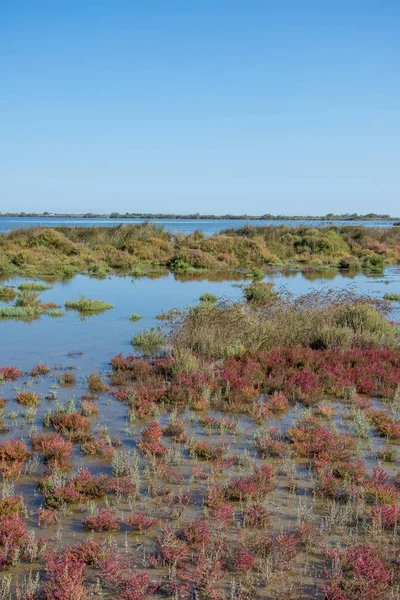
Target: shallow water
{"x":50,"y":340}
{"x":209,"y":226}
{"x":99,"y":337}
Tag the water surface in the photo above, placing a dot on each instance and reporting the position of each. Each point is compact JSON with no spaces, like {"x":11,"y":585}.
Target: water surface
{"x":209,"y":226}
{"x":50,"y":340}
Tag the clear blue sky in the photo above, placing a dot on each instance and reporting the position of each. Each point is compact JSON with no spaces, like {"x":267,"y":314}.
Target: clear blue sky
{"x":289,"y":106}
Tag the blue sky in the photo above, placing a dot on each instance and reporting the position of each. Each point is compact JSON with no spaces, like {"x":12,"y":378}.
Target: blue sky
{"x":289,"y":107}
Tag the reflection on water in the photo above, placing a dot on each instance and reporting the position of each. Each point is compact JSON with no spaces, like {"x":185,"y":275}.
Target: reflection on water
{"x":98,"y":337}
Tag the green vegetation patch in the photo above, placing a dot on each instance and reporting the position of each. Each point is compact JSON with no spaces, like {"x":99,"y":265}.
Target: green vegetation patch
{"x":87,"y":305}
{"x":135,"y":317}
{"x":392,"y":297}
{"x":18,"y":312}
{"x":149,"y":341}
{"x":34,"y":286}
{"x":7,"y":293}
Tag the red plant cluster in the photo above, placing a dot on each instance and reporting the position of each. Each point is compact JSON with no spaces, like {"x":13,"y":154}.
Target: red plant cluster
{"x":39,"y":370}
{"x":384,"y":424}
{"x":98,"y":447}
{"x":388,"y":514}
{"x":81,"y":488}
{"x":296,"y":373}
{"x":105,"y":520}
{"x":55,"y":449}
{"x":150,"y":442}
{"x":10,"y":373}
{"x":27,"y":399}
{"x":13,"y":455}
{"x":357,"y":575}
{"x":250,"y":487}
{"x":141,"y":521}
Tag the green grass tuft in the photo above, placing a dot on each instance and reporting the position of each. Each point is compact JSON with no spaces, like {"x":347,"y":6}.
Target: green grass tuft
{"x":34,"y":286}
{"x":7,"y":293}
{"x":56,"y":313}
{"x":19,"y":312}
{"x":135,"y":317}
{"x":149,"y":341}
{"x":88,"y":306}
{"x":392,"y":297}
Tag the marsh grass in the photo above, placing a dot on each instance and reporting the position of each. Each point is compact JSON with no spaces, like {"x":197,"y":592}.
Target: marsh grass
{"x":34,"y":286}
{"x":56,"y":313}
{"x":392,"y":297}
{"x":19,"y":312}
{"x":137,"y":249}
{"x":149,"y":341}
{"x":85,"y":305}
{"x":319,"y":320}
{"x":7,"y":293}
{"x":135,"y":317}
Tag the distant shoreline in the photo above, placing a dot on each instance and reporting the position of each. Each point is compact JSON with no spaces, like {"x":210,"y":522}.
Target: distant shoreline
{"x":193,"y":217}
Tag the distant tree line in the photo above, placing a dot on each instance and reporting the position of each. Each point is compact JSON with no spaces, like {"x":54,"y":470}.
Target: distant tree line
{"x":195,"y":216}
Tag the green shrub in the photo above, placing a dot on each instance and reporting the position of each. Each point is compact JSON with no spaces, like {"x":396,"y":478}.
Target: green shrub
{"x":256,"y":274}
{"x":88,"y":306}
{"x":259,"y":292}
{"x":7,"y":293}
{"x":29,"y":299}
{"x":207,"y":297}
{"x":185,"y":363}
{"x":373,"y":262}
{"x":100,"y":270}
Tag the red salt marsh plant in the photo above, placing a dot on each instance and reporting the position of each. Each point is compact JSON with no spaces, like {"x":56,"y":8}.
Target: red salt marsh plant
{"x":65,"y":579}
{"x":67,"y":379}
{"x":12,"y":533}
{"x":39,"y":370}
{"x":384,"y":424}
{"x":256,"y":516}
{"x":55,"y":449}
{"x":379,"y":489}
{"x":204,"y":576}
{"x":47,"y":517}
{"x":13,"y":454}
{"x":270,"y":443}
{"x":83,"y":487}
{"x":260,"y":482}
{"x":90,"y":553}
{"x":150,"y":441}
{"x":10,"y":373}
{"x":172,"y":552}
{"x":89,"y":408}
{"x":10,"y":506}
{"x":140,"y":521}
{"x":97,"y":384}
{"x":357,"y":574}
{"x":27,"y":399}
{"x":275,"y":404}
{"x":124,"y":581}
{"x":105,"y":520}
{"x":198,"y":533}
{"x":98,"y":447}
{"x":207,"y":451}
{"x":388,"y":515}
{"x":325,"y":446}
{"x":73,"y":425}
